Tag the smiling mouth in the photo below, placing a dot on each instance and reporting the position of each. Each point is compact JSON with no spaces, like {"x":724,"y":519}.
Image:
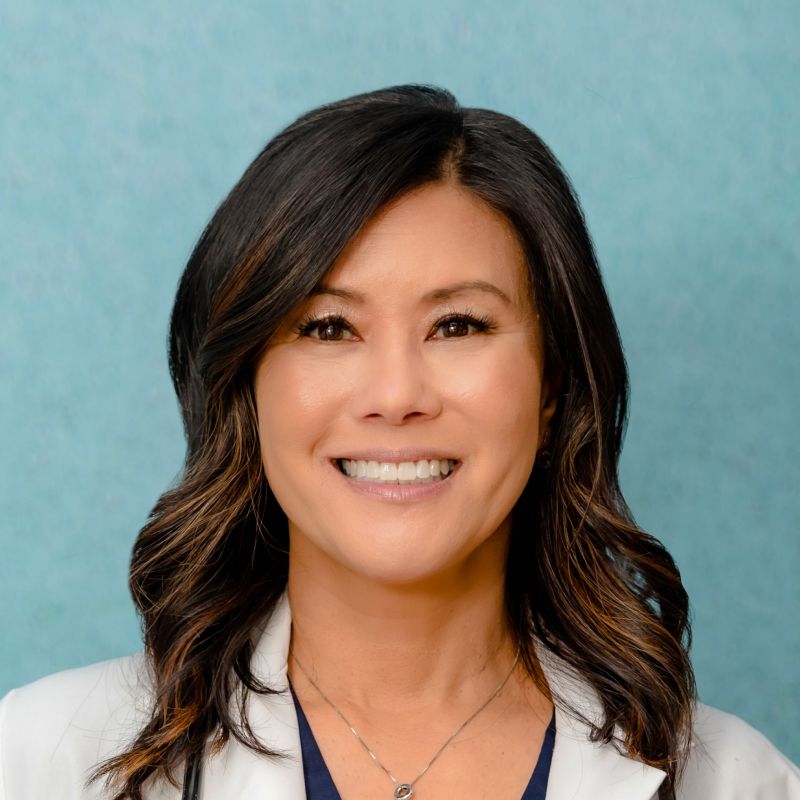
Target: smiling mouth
{"x":403,"y":472}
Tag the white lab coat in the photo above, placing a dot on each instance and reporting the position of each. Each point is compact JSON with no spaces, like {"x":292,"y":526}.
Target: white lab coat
{"x":54,"y":731}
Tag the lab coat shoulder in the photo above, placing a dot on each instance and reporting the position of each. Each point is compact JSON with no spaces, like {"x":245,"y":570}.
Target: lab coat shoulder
{"x":55,"y":731}
{"x":730,"y":759}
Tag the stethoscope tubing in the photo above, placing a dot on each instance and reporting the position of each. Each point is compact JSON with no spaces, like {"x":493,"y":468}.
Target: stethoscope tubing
{"x":191,"y":777}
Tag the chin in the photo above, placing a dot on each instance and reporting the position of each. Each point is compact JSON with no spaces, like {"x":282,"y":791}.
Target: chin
{"x":397,"y":575}
{"x":407,"y":559}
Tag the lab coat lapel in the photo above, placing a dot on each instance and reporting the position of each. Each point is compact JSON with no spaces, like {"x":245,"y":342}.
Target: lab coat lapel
{"x":239,"y":772}
{"x":580,"y":769}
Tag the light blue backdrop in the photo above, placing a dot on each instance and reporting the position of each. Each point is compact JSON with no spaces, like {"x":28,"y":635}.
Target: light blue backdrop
{"x":678,"y":122}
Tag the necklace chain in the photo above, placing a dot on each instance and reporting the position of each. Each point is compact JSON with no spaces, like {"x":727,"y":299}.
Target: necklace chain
{"x":405,"y":791}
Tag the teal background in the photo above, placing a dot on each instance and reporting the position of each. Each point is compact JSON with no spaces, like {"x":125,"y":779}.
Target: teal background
{"x":122,"y":128}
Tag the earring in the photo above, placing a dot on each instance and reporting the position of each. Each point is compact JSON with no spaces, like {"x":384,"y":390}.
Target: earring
{"x":543,"y":456}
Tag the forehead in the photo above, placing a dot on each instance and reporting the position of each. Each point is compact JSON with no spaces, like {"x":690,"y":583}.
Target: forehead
{"x":437,"y":235}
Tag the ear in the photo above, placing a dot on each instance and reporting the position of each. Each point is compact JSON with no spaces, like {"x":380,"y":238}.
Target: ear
{"x":551,"y":393}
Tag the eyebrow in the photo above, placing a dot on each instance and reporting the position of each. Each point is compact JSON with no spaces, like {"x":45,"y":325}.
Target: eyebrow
{"x":435,"y":295}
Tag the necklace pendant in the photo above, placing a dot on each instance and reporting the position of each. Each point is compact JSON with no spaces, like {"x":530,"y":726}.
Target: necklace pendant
{"x":403,"y":792}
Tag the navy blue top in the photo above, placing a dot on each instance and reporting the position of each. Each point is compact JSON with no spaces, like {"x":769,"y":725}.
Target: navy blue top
{"x":320,"y":785}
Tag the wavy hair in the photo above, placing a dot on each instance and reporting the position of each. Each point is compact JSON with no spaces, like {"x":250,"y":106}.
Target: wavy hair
{"x":211,"y":561}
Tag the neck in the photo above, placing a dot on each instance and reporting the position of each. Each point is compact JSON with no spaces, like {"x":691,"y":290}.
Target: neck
{"x":435,"y":643}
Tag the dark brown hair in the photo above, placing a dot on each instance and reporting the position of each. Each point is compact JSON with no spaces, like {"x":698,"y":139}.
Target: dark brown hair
{"x":212,"y":560}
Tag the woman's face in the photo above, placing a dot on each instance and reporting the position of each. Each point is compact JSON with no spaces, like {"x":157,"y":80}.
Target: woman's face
{"x":420,"y":347}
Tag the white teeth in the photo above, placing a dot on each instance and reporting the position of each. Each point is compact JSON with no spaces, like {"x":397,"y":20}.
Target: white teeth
{"x":407,"y":471}
{"x":388,"y":472}
{"x":423,"y":471}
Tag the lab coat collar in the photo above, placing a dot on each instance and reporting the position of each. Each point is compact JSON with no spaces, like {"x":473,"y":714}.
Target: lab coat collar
{"x":580,"y":769}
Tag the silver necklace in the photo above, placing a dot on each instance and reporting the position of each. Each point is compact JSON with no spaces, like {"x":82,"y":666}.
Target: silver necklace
{"x":405,"y":791}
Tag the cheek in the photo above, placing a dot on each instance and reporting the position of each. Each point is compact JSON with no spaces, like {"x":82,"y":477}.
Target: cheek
{"x":297,"y":401}
{"x":494,"y":398}
{"x":500,"y":389}
{"x":497,"y":395}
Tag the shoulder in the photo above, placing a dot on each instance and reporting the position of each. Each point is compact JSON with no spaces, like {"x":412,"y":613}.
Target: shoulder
{"x":53,"y":732}
{"x":731,"y":759}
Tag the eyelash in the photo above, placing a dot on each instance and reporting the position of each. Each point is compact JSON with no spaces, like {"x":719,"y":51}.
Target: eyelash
{"x":481,"y":322}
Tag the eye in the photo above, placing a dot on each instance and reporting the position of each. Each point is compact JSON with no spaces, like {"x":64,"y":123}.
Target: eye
{"x":457,"y":326}
{"x":329,"y":328}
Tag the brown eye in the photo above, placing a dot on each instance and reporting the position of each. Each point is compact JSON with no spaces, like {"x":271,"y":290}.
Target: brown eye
{"x":458,"y":326}
{"x":329,"y":329}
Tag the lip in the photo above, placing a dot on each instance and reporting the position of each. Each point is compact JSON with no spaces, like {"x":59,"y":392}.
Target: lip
{"x":397,"y":492}
{"x":395,"y":455}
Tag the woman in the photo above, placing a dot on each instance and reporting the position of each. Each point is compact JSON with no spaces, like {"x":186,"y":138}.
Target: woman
{"x":398,"y":562}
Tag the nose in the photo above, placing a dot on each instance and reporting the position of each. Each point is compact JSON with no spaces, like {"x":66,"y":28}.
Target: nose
{"x":395,"y":383}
